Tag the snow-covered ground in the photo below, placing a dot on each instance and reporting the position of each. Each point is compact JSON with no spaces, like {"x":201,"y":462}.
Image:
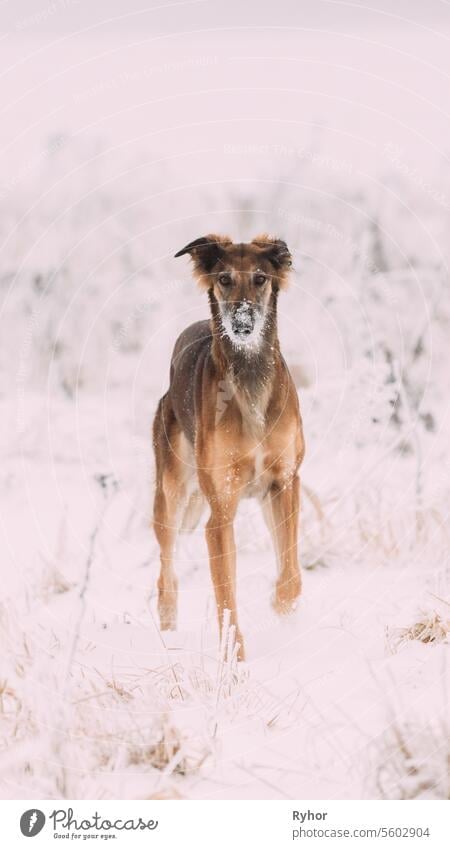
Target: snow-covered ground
{"x":348,"y":697}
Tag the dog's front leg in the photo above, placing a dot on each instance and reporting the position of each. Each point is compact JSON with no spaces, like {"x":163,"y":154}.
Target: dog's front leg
{"x":284,"y":498}
{"x":222,"y":560}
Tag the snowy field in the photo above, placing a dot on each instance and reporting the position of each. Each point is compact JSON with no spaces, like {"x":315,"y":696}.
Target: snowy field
{"x":348,"y":697}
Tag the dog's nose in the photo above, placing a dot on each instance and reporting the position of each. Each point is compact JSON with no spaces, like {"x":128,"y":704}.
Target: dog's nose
{"x":243,"y":320}
{"x":241,"y":329}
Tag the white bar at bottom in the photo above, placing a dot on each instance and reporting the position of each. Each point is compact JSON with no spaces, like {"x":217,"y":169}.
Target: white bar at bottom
{"x":226,"y":825}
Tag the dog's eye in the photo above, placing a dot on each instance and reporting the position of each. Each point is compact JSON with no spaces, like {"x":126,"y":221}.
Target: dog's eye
{"x":225,"y":279}
{"x":259,"y":279}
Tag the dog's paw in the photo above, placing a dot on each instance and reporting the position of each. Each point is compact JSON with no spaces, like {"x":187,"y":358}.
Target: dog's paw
{"x":285,"y":599}
{"x":167,"y":618}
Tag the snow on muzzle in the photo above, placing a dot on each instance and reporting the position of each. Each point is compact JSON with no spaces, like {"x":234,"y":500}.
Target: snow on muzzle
{"x":243,"y":319}
{"x":243,"y":323}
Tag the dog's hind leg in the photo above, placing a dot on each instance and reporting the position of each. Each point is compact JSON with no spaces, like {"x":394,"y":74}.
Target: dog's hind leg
{"x":267,"y":511}
{"x":169,"y":503}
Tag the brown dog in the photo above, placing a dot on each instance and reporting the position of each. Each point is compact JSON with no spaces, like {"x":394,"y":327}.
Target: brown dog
{"x":230,"y":426}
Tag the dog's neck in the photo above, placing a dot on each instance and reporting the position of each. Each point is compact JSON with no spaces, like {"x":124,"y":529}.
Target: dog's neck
{"x":251,"y":369}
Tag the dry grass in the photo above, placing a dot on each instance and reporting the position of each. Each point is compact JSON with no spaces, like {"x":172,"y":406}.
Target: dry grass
{"x":170,"y":752}
{"x":429,"y":627}
{"x":150,"y":725}
{"x":413,"y":761}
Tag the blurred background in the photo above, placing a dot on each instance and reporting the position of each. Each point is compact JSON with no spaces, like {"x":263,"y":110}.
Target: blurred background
{"x":127,"y":131}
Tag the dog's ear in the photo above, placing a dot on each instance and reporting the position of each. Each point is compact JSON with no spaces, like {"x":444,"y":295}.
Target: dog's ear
{"x":278,"y":253}
{"x":205,"y":253}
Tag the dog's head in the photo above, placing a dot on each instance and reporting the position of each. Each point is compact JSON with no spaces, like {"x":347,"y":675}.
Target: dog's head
{"x":241,"y":279}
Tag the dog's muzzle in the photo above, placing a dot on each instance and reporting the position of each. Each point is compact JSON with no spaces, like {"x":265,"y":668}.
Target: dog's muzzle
{"x":243,"y":320}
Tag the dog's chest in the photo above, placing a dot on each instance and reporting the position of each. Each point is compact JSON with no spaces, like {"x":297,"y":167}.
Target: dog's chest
{"x":253,"y":443}
{"x":250,"y":411}
{"x":256,"y":451}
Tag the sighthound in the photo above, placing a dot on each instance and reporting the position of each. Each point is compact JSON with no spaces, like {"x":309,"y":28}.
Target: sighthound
{"x":229,"y":426}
